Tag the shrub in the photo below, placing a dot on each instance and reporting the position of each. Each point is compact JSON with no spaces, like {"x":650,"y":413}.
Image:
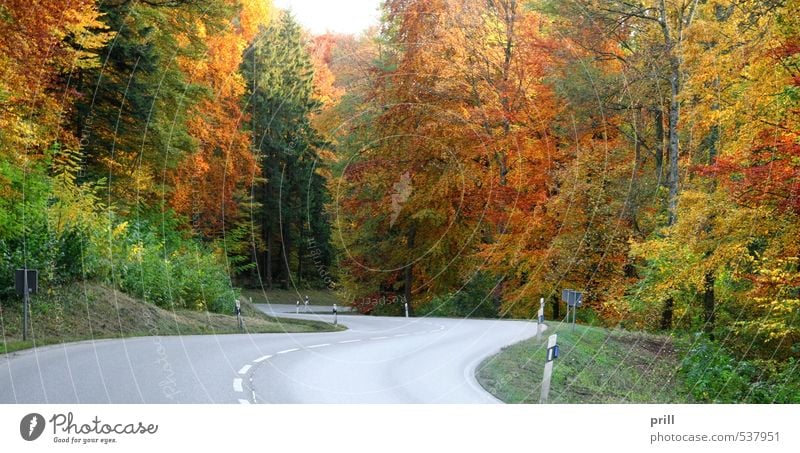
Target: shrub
{"x":188,"y":276}
{"x":713,"y":374}
{"x":474,"y":300}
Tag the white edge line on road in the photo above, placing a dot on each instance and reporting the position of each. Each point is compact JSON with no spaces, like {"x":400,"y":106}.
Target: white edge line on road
{"x":379,"y":338}
{"x":244,"y":402}
{"x":237,"y":385}
{"x":261,"y":359}
{"x":286,"y":351}
{"x":319,"y":345}
{"x":244,"y":369}
{"x":348,"y":341}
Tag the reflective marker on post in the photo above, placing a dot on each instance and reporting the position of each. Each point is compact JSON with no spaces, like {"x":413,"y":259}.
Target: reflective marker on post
{"x":552,"y":354}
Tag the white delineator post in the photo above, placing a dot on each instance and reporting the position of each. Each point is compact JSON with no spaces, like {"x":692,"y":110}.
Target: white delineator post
{"x":406,"y":305}
{"x":540,"y":319}
{"x":238,"y":310}
{"x":548,"y":368}
{"x":297,"y":310}
{"x":335,"y":315}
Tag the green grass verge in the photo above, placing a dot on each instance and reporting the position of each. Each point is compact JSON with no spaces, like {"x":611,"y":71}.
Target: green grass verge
{"x":290,"y":297}
{"x":596,"y":365}
{"x":90,"y":311}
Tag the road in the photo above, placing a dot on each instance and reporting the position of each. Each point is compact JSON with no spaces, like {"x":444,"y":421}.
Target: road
{"x":377,"y":360}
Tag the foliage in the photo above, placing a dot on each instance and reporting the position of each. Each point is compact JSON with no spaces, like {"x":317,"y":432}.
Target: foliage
{"x":292,"y":194}
{"x":473,"y":300}
{"x":187,"y":277}
{"x":469,"y":158}
{"x":715,"y":375}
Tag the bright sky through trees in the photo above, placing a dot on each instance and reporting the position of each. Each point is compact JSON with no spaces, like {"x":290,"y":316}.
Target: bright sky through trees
{"x":340,"y":16}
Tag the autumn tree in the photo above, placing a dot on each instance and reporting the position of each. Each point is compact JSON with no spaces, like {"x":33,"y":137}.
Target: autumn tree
{"x":211,"y":182}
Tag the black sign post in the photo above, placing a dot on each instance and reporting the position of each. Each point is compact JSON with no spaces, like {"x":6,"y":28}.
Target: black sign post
{"x":26,"y":282}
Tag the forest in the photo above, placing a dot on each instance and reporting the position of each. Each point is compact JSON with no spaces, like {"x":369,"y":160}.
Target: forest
{"x":467,"y":157}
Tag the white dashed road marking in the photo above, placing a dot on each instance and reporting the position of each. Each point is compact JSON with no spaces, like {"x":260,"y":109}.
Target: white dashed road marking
{"x":286,"y":351}
{"x":244,"y":369}
{"x":237,"y":385}
{"x":244,"y":402}
{"x":261,"y":359}
{"x":379,"y":338}
{"x":319,"y":345}
{"x":348,"y":341}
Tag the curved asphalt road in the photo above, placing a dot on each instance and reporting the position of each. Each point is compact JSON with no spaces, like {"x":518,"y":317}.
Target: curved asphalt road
{"x":378,"y":360}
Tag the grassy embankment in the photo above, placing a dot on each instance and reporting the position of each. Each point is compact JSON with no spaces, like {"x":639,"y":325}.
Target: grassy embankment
{"x":90,"y":311}
{"x":596,"y":365}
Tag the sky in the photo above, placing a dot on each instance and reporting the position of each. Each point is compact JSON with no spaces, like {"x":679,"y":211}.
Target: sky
{"x":339,"y":16}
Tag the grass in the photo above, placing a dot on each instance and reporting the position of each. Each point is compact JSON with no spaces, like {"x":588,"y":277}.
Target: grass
{"x":596,"y":365}
{"x":90,"y":311}
{"x":290,"y":296}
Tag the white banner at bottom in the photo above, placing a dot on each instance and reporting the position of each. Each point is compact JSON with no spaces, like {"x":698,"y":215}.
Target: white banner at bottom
{"x":399,"y":428}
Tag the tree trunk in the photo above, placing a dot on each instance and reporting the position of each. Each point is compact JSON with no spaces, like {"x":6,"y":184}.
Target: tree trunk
{"x":497,"y":296}
{"x":672,"y":132}
{"x":659,"y":148}
{"x":287,"y":255}
{"x":666,"y":314}
{"x":408,"y":273}
{"x":300,"y":252}
{"x":556,"y":308}
{"x":672,"y":177}
{"x":674,"y":114}
{"x":268,"y":260}
{"x":708,"y":305}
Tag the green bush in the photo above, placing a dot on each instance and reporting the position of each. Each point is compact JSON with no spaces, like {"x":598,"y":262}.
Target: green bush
{"x":204,"y":283}
{"x":178,"y":275}
{"x":64,"y":230}
{"x":713,"y":374}
{"x":473,"y":301}
{"x":389,"y":306}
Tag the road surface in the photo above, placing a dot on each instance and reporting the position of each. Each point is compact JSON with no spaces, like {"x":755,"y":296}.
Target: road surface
{"x":377,"y":360}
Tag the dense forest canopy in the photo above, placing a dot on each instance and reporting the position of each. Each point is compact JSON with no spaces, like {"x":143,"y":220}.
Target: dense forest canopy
{"x":467,"y":157}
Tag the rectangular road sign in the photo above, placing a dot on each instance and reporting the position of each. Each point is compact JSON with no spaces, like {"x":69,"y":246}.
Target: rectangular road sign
{"x":572,"y":298}
{"x":32,"y":276}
